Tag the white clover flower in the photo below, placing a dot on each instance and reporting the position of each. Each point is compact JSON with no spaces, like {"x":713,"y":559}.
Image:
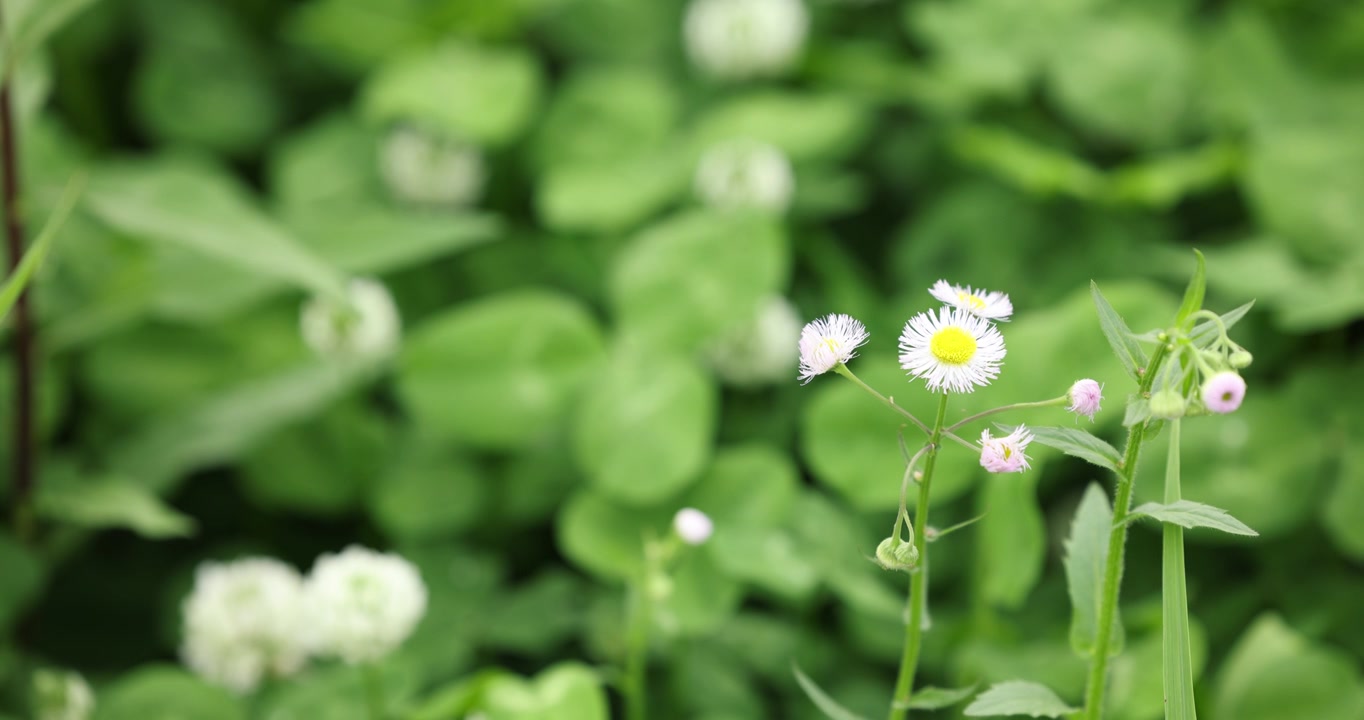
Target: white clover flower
{"x":366,"y":325}
{"x":828,"y":341}
{"x":1004,"y":455}
{"x":1223,"y":392}
{"x":760,"y":351}
{"x":744,"y":174}
{"x":953,"y":351}
{"x":363,"y":604}
{"x":693,"y":526}
{"x":424,"y":169}
{"x":1085,"y":396}
{"x":981,"y":303}
{"x":738,"y":39}
{"x":62,"y":696}
{"x":242,"y":622}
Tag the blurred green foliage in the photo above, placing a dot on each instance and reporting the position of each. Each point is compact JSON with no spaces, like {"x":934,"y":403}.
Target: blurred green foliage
{"x":551,"y":404}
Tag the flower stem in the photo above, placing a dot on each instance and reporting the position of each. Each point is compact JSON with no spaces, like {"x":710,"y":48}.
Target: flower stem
{"x":1117,"y":542}
{"x":843,"y":370}
{"x":1004,"y":408}
{"x":636,"y":652}
{"x":918,"y":581}
{"x":374,"y":690}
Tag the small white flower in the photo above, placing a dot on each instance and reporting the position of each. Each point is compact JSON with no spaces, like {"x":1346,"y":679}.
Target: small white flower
{"x":693,"y":526}
{"x":828,"y":341}
{"x":745,"y":38}
{"x":242,"y":622}
{"x":1085,"y":396}
{"x":952,"y":350}
{"x":62,"y":696}
{"x":363,"y":604}
{"x":1004,"y":455}
{"x":423,"y":169}
{"x":760,"y":351}
{"x":742,"y":174}
{"x":365,"y":325}
{"x":1223,"y":392}
{"x":981,"y":303}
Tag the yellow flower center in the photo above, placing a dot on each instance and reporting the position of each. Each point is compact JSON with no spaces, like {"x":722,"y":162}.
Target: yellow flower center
{"x":973,"y":301}
{"x":832,"y":344}
{"x":952,"y":345}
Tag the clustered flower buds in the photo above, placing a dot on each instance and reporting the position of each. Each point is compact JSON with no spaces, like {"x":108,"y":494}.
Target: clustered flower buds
{"x":896,"y":554}
{"x":1222,"y":388}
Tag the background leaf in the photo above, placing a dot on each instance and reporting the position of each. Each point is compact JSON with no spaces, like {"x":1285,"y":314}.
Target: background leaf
{"x":1018,"y":698}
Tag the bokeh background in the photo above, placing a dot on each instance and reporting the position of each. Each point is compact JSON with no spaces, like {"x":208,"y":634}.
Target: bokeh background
{"x":594,"y":336}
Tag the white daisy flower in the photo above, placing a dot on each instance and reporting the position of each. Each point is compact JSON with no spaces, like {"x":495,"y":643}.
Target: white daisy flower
{"x":1003,"y":455}
{"x":981,"y":303}
{"x":743,"y":174}
{"x":828,"y":341}
{"x":953,"y":351}
{"x":365,"y":325}
{"x":420,"y":168}
{"x":242,"y":622}
{"x":693,"y":526}
{"x":363,"y":604}
{"x":738,"y":39}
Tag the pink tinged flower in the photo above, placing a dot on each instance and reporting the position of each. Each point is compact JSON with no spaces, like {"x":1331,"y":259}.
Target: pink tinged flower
{"x":1005,"y":454}
{"x":827,"y":342}
{"x":1223,"y":392}
{"x":693,"y":526}
{"x":1085,"y":396}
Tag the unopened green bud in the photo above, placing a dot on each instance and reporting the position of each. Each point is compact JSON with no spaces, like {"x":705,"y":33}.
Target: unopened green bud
{"x":1167,"y":404}
{"x":1240,"y":358}
{"x":896,"y":554}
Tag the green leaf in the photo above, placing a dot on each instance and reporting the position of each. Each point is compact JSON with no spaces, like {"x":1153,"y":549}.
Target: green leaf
{"x":1205,"y":332}
{"x":1012,"y":539}
{"x":24,"y":573}
{"x":821,"y":699}
{"x":1274,"y":673}
{"x":1189,"y":514}
{"x":1138,"y":410}
{"x":1120,"y":338}
{"x":482,"y":94}
{"x":604,"y":537}
{"x":645,"y":428}
{"x":518,"y":357}
{"x":1086,"y":555}
{"x":611,"y":196}
{"x":1076,"y":443}
{"x":1193,"y":295}
{"x":933,"y":698}
{"x":161,"y":692}
{"x":37,"y":250}
{"x":32,"y":26}
{"x":429,"y":492}
{"x":202,"y":209}
{"x":1017,"y":697}
{"x":1177,"y":653}
{"x":1339,"y":509}
{"x":322,"y":467}
{"x":109,"y":502}
{"x":567,"y":691}
{"x":830,"y":125}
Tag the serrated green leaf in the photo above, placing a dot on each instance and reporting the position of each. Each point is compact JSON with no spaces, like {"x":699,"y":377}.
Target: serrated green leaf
{"x":1076,"y":443}
{"x":1193,"y":294}
{"x":933,"y":698}
{"x":1190,"y":514}
{"x":1017,"y":697}
{"x":1176,"y":652}
{"x":1086,"y":554}
{"x":821,"y":699}
{"x":1120,"y":337}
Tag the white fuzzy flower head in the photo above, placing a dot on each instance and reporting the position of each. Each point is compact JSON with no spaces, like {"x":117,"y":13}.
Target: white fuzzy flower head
{"x":62,"y":696}
{"x":760,"y":351}
{"x":742,"y":174}
{"x":1085,"y":396}
{"x":363,"y":604}
{"x":738,"y":39}
{"x":242,"y":622}
{"x":981,"y":303}
{"x":365,"y":325}
{"x":1223,"y":392}
{"x":422,"y":168}
{"x":693,"y":526}
{"x":828,"y":341}
{"x":952,"y":350}
{"x":1005,"y":454}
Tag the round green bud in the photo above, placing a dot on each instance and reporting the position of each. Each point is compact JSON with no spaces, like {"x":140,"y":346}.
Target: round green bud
{"x":1240,"y":359}
{"x":896,"y":554}
{"x":1167,"y":404}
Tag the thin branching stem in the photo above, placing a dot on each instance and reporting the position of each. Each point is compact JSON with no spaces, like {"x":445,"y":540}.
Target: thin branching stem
{"x":1004,"y":408}
{"x":843,"y":370}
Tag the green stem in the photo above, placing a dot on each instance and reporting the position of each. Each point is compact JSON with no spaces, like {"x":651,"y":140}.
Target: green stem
{"x":1117,"y":543}
{"x":918,"y":581}
{"x":374,"y":690}
{"x":843,"y":370}
{"x":636,"y":651}
{"x":1176,"y":649}
{"x":1004,"y":408}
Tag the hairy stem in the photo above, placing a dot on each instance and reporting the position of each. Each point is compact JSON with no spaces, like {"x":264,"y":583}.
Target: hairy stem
{"x":918,"y":581}
{"x":1054,"y":402}
{"x":374,"y":690}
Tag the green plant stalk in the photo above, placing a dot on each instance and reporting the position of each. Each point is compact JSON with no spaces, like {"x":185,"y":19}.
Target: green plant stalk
{"x":636,"y":652}
{"x":918,"y":581}
{"x":1176,"y":650}
{"x":1117,"y":542}
{"x":1054,"y":402}
{"x":373,"y":678}
{"x":843,"y":370}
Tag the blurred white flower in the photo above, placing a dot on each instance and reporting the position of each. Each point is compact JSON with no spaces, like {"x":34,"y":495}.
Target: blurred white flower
{"x":745,"y":38}
{"x":421,"y":168}
{"x":363,"y":604}
{"x":760,"y":351}
{"x":365,"y":325}
{"x":828,"y":341}
{"x":693,"y":526}
{"x":62,"y":696}
{"x":243,"y":622}
{"x":743,"y":174}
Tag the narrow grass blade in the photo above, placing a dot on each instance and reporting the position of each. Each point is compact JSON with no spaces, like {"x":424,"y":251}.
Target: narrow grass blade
{"x":1177,"y":655}
{"x":37,"y":252}
{"x":821,"y":699}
